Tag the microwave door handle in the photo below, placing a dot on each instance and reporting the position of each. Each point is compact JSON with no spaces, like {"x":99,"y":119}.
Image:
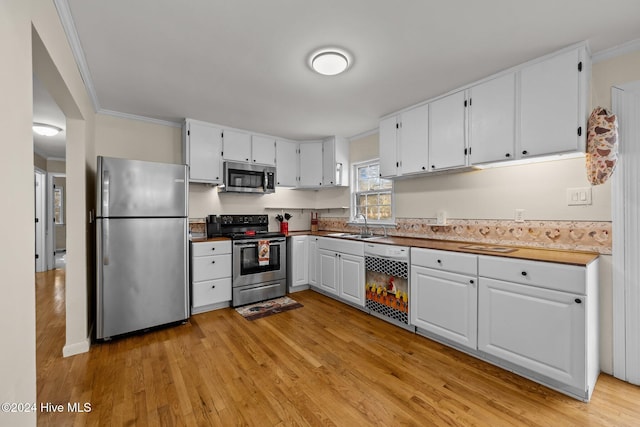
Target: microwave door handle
{"x":265,"y":181}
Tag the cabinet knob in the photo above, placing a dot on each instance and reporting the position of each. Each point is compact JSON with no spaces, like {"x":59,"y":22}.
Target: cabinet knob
{"x":213,"y":286}
{"x":439,"y":261}
{"x":278,"y":182}
{"x":246,"y":160}
{"x":525,"y":152}
{"x":578,"y":301}
{"x":433,"y":166}
{"x":472,"y":281}
{"x":524,"y":273}
{"x":424,"y":168}
{"x":213,"y":262}
{"x":508,"y":155}
{"x":213,"y":249}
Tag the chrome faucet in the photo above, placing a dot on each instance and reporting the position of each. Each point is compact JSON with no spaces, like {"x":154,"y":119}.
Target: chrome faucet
{"x":366,"y":226}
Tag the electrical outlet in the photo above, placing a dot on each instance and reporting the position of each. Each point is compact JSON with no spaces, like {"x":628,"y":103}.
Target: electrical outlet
{"x":578,"y":196}
{"x":519,"y":216}
{"x":441,"y":218}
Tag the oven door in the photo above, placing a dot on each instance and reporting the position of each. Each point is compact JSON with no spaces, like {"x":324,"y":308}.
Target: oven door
{"x":249,"y":269}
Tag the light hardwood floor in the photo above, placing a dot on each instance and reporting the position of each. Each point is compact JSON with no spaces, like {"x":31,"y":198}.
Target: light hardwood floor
{"x":324,"y":364}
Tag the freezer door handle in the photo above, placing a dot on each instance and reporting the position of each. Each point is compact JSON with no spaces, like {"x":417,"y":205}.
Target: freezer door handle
{"x":105,"y":193}
{"x":105,"y":241}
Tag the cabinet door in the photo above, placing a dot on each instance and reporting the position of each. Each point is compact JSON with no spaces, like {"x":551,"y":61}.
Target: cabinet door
{"x":236,"y":146}
{"x":445,"y":304}
{"x":446,"y":132}
{"x":351,"y":269}
{"x":203,"y":147}
{"x":414,"y":138}
{"x":538,"y":329}
{"x":286,"y":163}
{"x":263,"y":150}
{"x":329,"y":162}
{"x":299,"y":260}
{"x":310,"y":164}
{"x":549,"y":112}
{"x":387,"y":147}
{"x":313,"y":261}
{"x":328,"y":266}
{"x":492,"y":120}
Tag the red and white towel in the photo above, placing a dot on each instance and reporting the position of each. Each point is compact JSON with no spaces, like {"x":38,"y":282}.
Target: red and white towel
{"x":263,"y":252}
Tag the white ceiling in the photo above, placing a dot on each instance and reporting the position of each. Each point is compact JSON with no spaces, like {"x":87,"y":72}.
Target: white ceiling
{"x":243,"y":63}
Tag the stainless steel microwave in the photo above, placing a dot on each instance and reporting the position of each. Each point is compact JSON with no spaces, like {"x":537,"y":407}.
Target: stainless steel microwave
{"x":249,"y":178}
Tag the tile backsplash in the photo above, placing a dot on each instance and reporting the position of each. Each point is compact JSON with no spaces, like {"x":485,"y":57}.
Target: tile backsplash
{"x":591,"y":236}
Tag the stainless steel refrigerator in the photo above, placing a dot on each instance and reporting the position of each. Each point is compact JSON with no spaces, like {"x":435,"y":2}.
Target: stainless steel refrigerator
{"x":141,"y":226}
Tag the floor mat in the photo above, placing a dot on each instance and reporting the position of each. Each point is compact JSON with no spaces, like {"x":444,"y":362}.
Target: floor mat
{"x":267,"y":308}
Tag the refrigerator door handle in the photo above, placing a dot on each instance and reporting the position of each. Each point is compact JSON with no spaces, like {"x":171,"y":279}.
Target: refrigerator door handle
{"x":105,"y":193}
{"x":105,"y":241}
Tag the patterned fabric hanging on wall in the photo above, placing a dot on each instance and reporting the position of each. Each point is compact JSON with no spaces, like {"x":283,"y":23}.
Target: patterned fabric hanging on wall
{"x":602,"y":145}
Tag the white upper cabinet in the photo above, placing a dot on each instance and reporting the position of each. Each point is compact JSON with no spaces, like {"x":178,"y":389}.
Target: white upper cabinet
{"x":286,"y":163}
{"x":447,"y":145}
{"x":403,"y":142}
{"x":552,"y":105}
{"x":263,"y":150}
{"x":202,"y":145}
{"x":492,"y":120}
{"x":244,"y":147}
{"x":310,"y":164}
{"x":387,"y":146}
{"x":414,"y":137}
{"x":236,"y":146}
{"x":335,"y":161}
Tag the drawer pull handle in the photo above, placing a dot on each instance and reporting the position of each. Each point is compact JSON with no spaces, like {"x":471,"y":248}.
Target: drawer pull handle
{"x":213,"y":262}
{"x":578,"y":301}
{"x":524,"y":273}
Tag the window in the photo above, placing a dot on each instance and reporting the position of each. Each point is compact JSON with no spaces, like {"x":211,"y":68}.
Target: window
{"x":371,"y":195}
{"x":58,"y":203}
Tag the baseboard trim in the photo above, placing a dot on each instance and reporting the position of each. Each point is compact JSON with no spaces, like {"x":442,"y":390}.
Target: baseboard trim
{"x":76,"y":348}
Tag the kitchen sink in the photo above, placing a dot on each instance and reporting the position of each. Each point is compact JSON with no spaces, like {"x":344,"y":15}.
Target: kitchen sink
{"x":499,"y":249}
{"x":355,"y":236}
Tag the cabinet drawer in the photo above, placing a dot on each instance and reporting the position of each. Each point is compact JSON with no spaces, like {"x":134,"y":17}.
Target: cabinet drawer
{"x":211,"y":292}
{"x":211,"y":248}
{"x":444,"y":260}
{"x":211,"y":267}
{"x":560,"y":277}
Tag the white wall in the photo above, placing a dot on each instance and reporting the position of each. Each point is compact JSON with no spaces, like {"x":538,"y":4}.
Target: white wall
{"x":17,"y":314}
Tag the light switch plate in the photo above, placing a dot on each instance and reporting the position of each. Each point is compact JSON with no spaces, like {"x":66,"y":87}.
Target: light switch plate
{"x":519,"y":216}
{"x":578,"y":196}
{"x":441,"y":218}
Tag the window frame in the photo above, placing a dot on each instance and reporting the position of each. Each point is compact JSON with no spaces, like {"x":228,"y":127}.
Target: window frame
{"x":354,"y":195}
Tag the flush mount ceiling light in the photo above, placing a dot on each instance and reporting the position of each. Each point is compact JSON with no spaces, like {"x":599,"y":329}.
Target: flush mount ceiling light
{"x":45,"y":129}
{"x":330,"y":61}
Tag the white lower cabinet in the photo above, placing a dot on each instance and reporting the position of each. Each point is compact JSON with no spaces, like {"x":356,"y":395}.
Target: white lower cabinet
{"x":444,"y":297}
{"x":313,"y":261}
{"x":210,"y":275}
{"x":341,"y":269}
{"x":542,"y":320}
{"x":298,"y":263}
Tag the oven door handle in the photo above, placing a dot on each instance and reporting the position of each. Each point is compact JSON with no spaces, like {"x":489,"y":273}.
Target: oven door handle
{"x":253,"y":242}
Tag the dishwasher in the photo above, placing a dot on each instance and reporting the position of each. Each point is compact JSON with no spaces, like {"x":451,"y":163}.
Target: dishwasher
{"x":387,"y":283}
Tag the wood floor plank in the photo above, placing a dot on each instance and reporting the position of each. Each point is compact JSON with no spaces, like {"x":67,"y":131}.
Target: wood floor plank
{"x":325,"y":364}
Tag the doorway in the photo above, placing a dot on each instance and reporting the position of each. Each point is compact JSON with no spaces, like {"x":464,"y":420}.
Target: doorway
{"x":40,"y":197}
{"x":625,"y":101}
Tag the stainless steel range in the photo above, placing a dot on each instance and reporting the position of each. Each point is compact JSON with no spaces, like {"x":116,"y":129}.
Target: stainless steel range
{"x":259,"y":258}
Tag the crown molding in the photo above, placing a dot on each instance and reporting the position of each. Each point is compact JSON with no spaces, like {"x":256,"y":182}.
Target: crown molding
{"x":363,"y":134}
{"x":64,"y":12}
{"x":612,"y":52}
{"x":139,"y":118}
